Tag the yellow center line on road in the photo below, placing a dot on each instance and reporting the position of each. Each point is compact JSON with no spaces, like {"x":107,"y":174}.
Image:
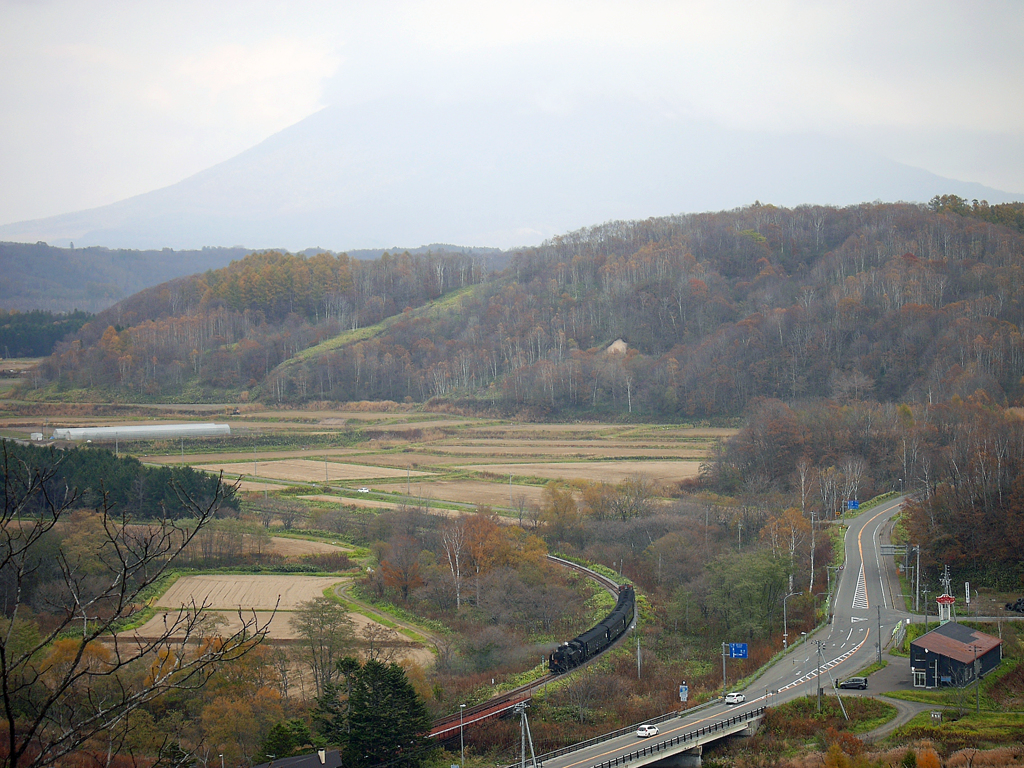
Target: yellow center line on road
{"x":860,"y":548}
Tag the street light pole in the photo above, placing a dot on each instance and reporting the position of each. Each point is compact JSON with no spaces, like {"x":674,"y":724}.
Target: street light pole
{"x":462,"y":743}
{"x":785,"y":624}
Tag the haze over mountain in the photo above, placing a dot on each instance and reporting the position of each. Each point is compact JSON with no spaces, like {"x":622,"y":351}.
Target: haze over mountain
{"x":379,"y":176}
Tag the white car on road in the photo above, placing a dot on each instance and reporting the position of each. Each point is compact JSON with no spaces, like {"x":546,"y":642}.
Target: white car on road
{"x":735,"y":698}
{"x":647,"y":730}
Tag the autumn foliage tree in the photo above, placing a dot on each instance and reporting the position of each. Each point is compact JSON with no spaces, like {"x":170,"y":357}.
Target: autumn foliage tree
{"x":69,"y":674}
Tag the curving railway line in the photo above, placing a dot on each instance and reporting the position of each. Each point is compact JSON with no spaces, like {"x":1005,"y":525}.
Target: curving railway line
{"x":448,"y":726}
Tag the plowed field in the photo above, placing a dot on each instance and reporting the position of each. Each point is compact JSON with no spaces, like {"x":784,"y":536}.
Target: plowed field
{"x":229,"y":591}
{"x":597,"y":471}
{"x":306,"y":470}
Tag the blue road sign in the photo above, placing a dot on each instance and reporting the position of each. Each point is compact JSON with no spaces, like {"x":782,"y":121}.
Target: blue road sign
{"x":853,"y":504}
{"x":684,"y":692}
{"x":737,"y":650}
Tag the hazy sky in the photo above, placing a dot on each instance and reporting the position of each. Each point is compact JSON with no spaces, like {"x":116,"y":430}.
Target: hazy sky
{"x":104,"y":100}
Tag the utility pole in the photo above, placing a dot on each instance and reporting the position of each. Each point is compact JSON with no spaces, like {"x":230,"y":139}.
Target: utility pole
{"x":723,"y":670}
{"x":820,"y":645}
{"x":785,"y":626}
{"x":977,"y":679}
{"x":917,"y":575}
{"x":462,"y":743}
{"x":879,"y":643}
{"x":524,"y":734}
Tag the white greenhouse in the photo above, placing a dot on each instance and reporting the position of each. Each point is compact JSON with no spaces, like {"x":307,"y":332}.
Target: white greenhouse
{"x":145,"y":432}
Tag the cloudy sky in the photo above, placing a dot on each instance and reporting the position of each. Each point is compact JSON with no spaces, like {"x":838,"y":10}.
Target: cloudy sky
{"x":104,"y":100}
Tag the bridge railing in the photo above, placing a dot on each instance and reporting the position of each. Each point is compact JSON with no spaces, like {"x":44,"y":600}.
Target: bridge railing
{"x":620,"y":732}
{"x":656,"y":747}
{"x":675,"y":741}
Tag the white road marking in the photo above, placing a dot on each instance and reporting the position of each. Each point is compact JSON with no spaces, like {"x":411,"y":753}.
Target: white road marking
{"x":860,"y":596}
{"x":826,"y":665}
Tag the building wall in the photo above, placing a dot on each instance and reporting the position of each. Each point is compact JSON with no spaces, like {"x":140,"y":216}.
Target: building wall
{"x":950,"y":671}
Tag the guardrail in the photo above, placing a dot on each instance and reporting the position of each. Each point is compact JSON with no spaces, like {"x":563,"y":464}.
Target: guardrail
{"x":704,"y":730}
{"x":621,"y":732}
{"x":681,"y":739}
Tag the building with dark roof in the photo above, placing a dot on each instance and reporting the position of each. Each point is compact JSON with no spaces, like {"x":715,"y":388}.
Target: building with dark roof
{"x":952,"y":655}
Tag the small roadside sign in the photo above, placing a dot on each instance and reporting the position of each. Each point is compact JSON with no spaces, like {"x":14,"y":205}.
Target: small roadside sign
{"x":737,"y":650}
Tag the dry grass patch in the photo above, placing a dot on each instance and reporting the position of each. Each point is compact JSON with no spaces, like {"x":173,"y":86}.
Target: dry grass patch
{"x":286,"y":547}
{"x":308,"y":471}
{"x":597,"y":471}
{"x":248,"y":486}
{"x":353,"y":502}
{"x":468,"y":492}
{"x":245,"y":457}
{"x":532,"y":448}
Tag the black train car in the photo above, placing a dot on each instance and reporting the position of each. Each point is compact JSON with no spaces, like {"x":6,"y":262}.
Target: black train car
{"x":587,"y":645}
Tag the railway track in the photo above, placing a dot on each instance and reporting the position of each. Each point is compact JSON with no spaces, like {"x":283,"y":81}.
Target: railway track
{"x":446,"y":727}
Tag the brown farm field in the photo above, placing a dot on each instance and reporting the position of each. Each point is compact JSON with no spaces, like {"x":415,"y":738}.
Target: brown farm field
{"x":469,"y":492}
{"x":224,"y":591}
{"x":226,"y":596}
{"x":396,"y":448}
{"x":596,"y":471}
{"x":305,"y":470}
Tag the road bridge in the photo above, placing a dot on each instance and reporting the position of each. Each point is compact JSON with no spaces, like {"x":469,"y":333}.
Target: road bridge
{"x":863,"y":610}
{"x":678,"y":743}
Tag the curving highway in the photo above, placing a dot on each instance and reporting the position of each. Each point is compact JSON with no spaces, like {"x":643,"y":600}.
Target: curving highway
{"x":866,"y":606}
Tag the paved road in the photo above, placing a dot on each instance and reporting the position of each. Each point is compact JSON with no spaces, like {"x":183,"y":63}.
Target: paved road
{"x":866,"y":590}
{"x":866,"y":606}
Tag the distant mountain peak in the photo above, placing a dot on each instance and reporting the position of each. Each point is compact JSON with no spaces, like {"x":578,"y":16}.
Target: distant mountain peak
{"x":371,"y":176}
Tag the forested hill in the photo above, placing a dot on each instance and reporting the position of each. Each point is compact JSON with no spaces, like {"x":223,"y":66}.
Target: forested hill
{"x":878,"y":301}
{"x":41,"y":276}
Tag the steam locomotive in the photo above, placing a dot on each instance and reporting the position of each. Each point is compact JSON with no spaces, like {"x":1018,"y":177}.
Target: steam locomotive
{"x":587,"y":645}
